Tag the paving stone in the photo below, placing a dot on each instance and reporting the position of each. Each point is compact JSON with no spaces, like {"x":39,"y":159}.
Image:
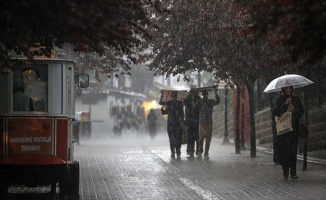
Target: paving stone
{"x":145,"y":170}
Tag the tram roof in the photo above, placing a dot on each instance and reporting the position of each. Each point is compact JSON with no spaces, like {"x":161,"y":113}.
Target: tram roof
{"x":56,"y":56}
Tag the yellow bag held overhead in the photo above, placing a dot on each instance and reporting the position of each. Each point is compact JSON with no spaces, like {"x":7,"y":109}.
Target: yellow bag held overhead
{"x":284,"y":123}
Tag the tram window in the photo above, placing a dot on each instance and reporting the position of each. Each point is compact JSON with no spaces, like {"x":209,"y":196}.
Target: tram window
{"x":30,"y":88}
{"x":83,"y":80}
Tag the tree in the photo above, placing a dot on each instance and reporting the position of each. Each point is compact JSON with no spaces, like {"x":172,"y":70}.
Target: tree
{"x":297,"y":26}
{"x":35,"y":27}
{"x":110,"y":63}
{"x":205,"y":36}
{"x":200,"y":36}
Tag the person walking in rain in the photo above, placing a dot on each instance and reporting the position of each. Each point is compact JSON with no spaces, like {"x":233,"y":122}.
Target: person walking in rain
{"x":192,"y":122}
{"x":174,"y":122}
{"x":287,"y":143}
{"x":151,"y":118}
{"x":205,"y":111}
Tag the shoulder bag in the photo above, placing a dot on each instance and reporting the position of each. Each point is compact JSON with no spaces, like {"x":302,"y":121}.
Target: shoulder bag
{"x":284,"y":123}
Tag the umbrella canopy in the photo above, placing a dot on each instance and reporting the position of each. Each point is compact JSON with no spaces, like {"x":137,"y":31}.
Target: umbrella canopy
{"x":294,"y":80}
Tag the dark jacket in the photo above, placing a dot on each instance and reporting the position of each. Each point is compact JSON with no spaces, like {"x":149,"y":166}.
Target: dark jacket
{"x":281,"y":107}
{"x":151,"y":117}
{"x":191,"y":113}
{"x":175,"y":116}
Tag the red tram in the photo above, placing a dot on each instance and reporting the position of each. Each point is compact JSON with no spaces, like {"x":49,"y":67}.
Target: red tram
{"x":36,"y":125}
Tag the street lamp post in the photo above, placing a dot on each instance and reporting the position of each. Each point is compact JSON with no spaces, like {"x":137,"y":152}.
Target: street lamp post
{"x":199,"y":79}
{"x":90,"y":102}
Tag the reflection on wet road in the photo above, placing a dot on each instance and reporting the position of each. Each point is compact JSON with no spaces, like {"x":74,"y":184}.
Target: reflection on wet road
{"x":135,"y":167}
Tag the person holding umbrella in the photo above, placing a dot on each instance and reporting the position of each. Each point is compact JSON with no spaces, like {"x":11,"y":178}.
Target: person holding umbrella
{"x":151,"y":118}
{"x":287,"y":143}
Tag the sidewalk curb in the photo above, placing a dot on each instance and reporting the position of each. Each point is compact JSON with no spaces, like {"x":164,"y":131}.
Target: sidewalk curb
{"x":270,"y":151}
{"x":299,"y":157}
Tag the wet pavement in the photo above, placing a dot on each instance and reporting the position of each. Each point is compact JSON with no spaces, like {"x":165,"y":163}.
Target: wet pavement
{"x":134,"y":167}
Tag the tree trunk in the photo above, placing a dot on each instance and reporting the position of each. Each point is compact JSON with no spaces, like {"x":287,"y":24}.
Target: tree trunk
{"x":226,"y":135}
{"x":252,"y":119}
{"x":242,"y":118}
{"x":237,"y":120}
{"x":275,"y":150}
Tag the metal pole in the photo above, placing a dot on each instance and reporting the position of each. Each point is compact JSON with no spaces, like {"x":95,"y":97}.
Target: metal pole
{"x":86,"y":130}
{"x":305,"y":140}
{"x":199,"y":79}
{"x":90,"y":102}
